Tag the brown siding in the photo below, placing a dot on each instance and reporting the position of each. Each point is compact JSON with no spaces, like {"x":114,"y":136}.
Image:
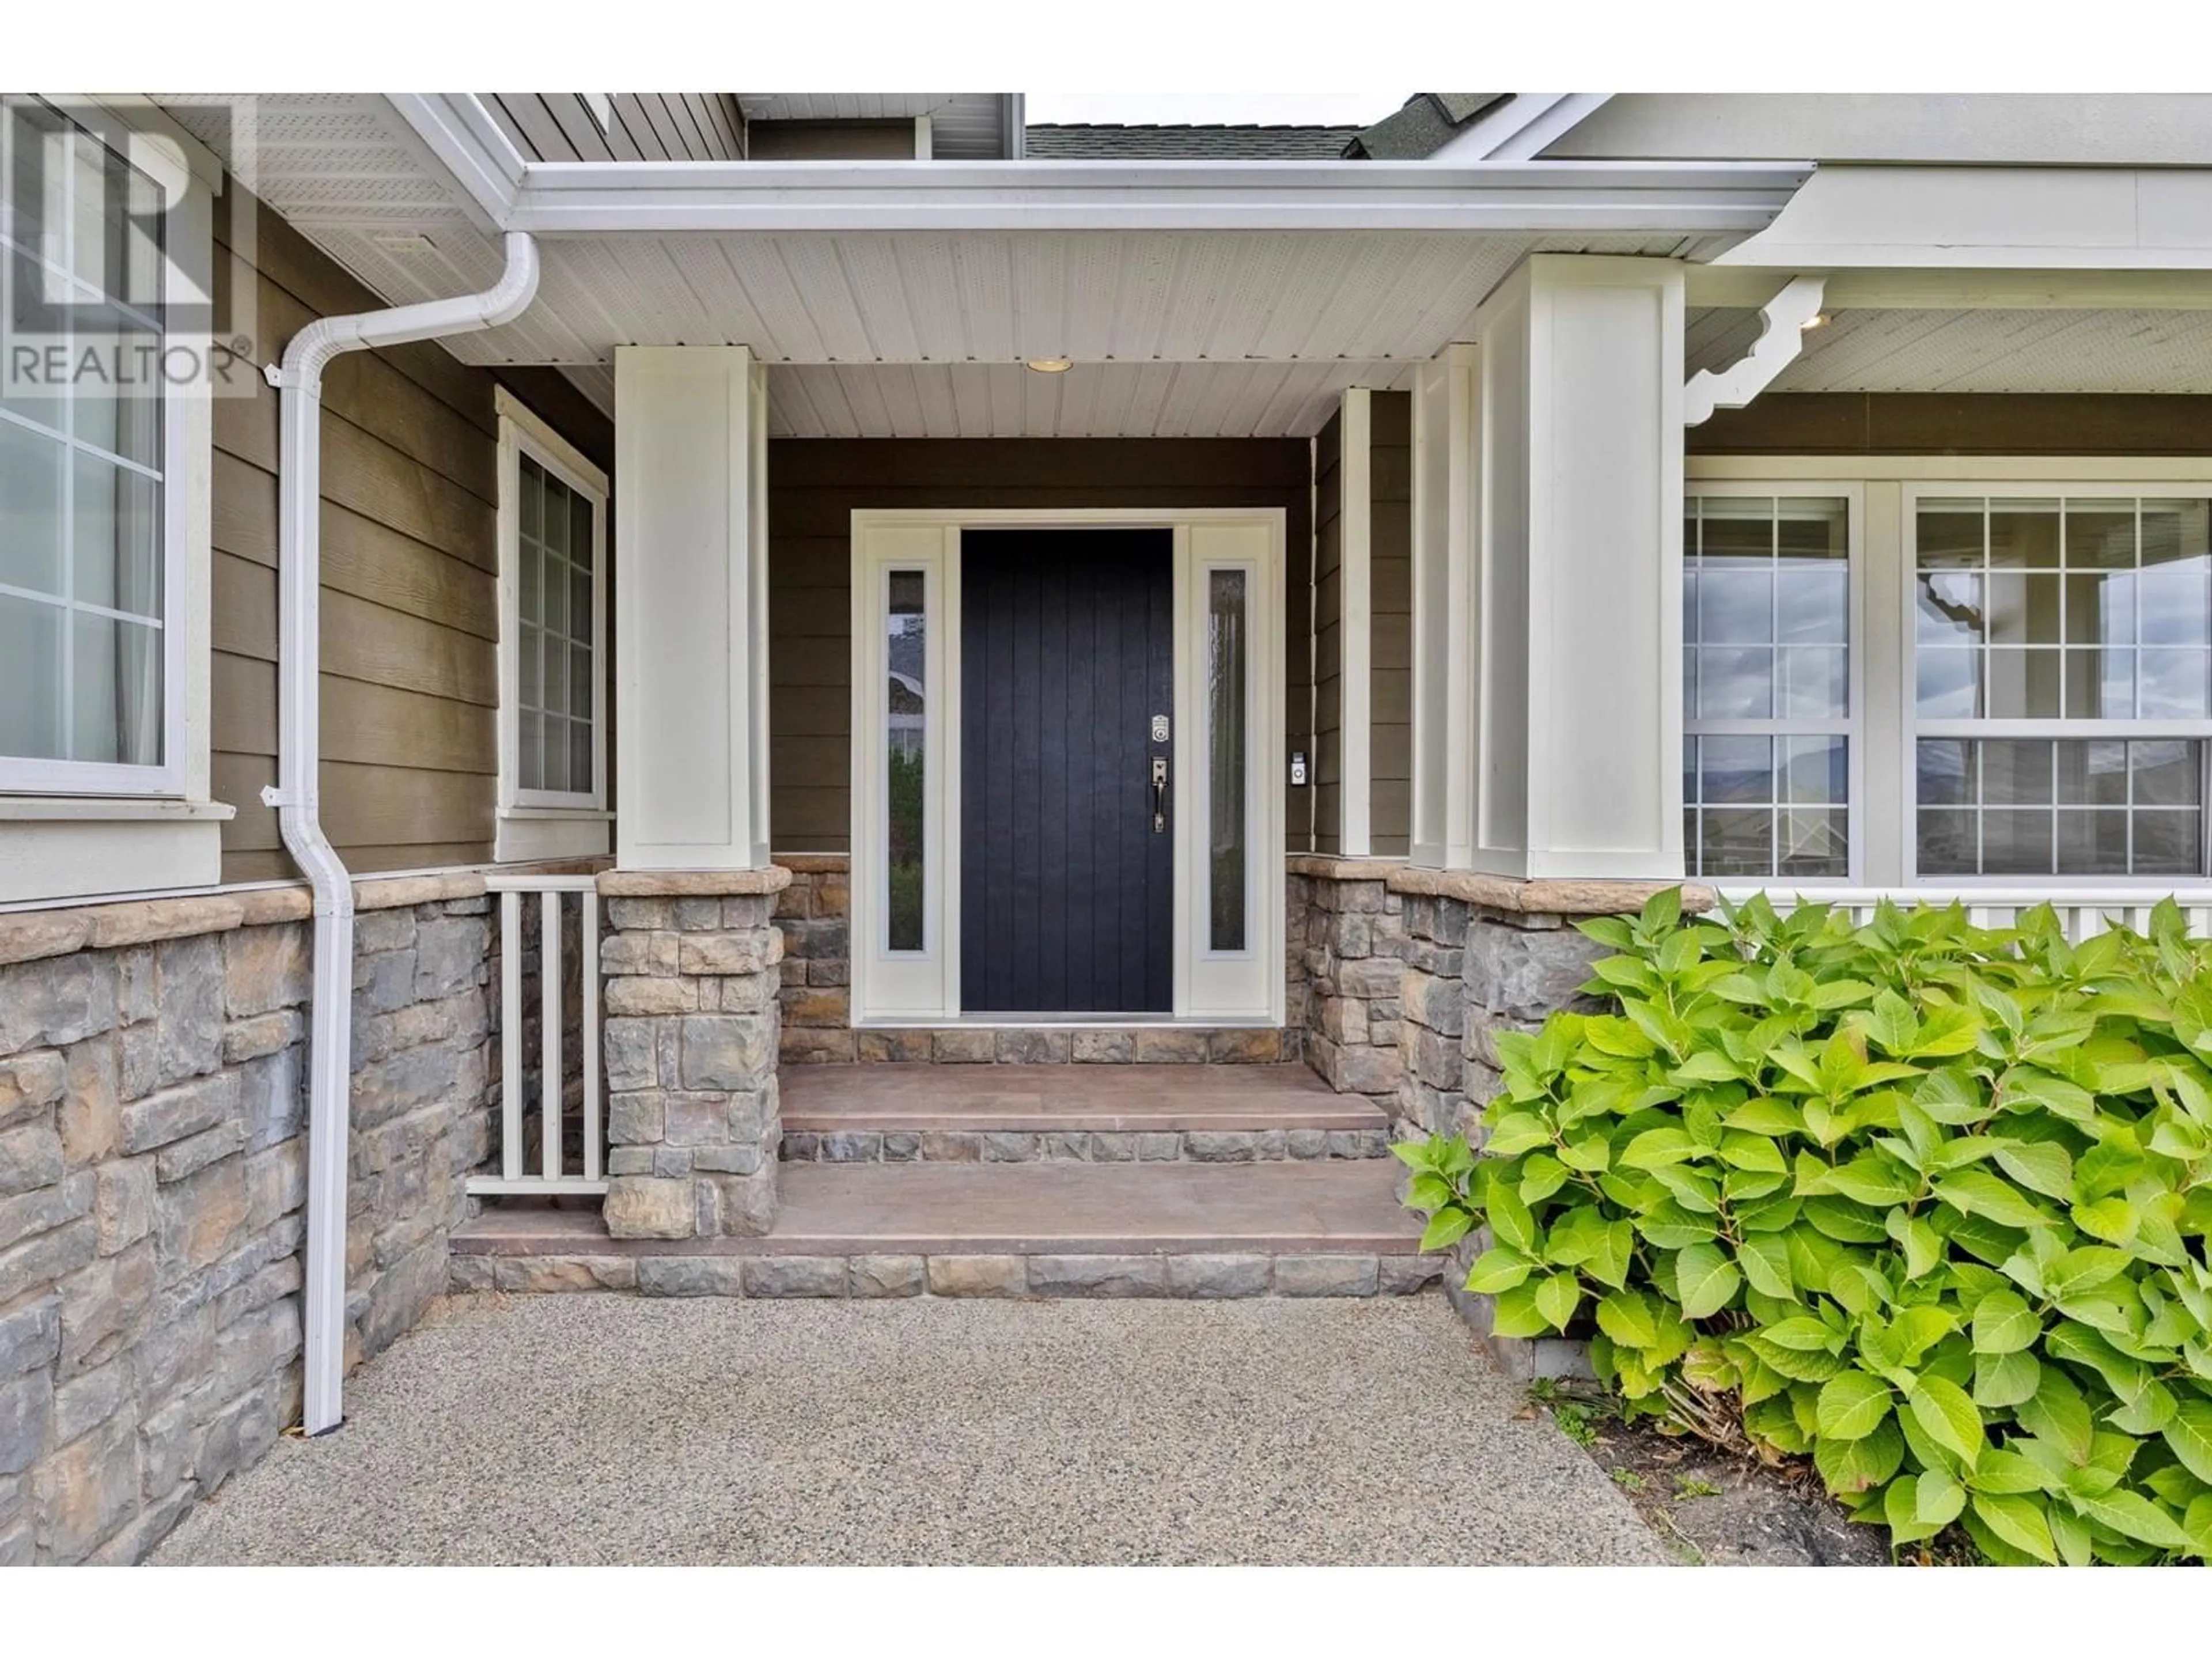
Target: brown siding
{"x":1390,"y":601}
{"x":1964,"y":423}
{"x":653,"y":126}
{"x":1329,"y":637}
{"x":832,"y":141}
{"x":409,"y":607}
{"x":814,"y":485}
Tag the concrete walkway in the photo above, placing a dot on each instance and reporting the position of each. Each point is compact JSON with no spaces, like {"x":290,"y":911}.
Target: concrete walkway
{"x":606,"y":1429}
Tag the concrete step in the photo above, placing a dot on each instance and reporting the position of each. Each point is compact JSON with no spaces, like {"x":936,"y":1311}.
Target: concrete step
{"x":1036,"y":1230}
{"x":899,"y":1113}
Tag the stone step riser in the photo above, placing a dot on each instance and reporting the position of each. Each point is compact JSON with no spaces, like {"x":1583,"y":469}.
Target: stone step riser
{"x":1078,"y":1146}
{"x":1191,"y":1277}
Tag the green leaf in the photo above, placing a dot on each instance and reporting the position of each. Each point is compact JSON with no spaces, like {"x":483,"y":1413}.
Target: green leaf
{"x":1497,"y":1270}
{"x":1516,"y":1314}
{"x":1656,"y":1148}
{"x":2059,"y":1415}
{"x":2043,"y":1165}
{"x":1804,"y":1334}
{"x":1662,"y":910}
{"x":1557,"y":1298}
{"x":2005,"y":1379}
{"x":2112,"y":1219}
{"x":1517,"y":1132}
{"x":2132,"y":1515}
{"x":1764,"y":1259}
{"x":2007,"y":1472}
{"x":1766,"y":1116}
{"x":1706,"y":1281}
{"x":2188,"y":1434}
{"x":1977,"y":1192}
{"x":1857,"y":1466}
{"x":2084,"y":1269}
{"x":1446,"y":1228}
{"x":1939,"y":1498}
{"x":2019,"y":1521}
{"x":1900,"y":1502}
{"x":2004,"y":1323}
{"x":1509,"y":1220}
{"x":1943,"y":1409}
{"x":1626,"y":1317}
{"x":1872,"y":1178}
{"x":1852,"y":1405}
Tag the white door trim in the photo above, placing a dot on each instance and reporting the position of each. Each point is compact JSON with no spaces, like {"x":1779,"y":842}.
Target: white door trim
{"x":923,"y":987}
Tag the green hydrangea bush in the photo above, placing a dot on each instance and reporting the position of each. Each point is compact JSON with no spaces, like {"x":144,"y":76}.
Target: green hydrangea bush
{"x":1926,"y":1202}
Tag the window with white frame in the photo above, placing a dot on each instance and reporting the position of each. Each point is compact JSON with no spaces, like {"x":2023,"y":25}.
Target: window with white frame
{"x":90,"y":660}
{"x":2062,"y":681}
{"x":1767,"y":604}
{"x":553,"y":508}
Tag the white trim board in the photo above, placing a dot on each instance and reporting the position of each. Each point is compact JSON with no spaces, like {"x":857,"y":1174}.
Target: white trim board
{"x":909,"y":987}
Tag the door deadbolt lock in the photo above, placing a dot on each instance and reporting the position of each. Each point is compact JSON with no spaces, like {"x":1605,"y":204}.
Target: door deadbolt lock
{"x":1159,"y":794}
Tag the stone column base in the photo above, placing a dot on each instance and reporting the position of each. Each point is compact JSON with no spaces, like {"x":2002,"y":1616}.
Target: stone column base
{"x":690,"y":959}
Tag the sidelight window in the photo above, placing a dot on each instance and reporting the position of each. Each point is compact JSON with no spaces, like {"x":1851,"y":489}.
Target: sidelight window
{"x":1228,"y":694}
{"x":906,"y":755}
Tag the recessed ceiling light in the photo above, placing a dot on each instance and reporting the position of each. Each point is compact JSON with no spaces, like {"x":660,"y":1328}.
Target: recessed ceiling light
{"x":1052,"y":364}
{"x":1818,"y":319}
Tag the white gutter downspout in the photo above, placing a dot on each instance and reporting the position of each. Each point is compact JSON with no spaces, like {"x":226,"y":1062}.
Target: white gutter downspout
{"x":296,"y":796}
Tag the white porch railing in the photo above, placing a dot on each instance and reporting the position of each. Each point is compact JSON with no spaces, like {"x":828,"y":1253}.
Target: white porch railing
{"x":2082,"y":911}
{"x":551,"y":894}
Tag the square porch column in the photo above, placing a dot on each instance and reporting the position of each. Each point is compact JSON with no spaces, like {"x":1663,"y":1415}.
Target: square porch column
{"x":1548,"y":642}
{"x":691,"y":958}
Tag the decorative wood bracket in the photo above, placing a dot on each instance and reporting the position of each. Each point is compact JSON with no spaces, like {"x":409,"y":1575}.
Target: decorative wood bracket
{"x":1782,"y":328}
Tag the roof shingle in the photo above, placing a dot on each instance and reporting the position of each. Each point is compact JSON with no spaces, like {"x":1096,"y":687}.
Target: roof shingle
{"x":1216,"y":142}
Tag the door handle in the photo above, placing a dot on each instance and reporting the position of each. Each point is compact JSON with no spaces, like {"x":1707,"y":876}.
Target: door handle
{"x":1159,"y":794}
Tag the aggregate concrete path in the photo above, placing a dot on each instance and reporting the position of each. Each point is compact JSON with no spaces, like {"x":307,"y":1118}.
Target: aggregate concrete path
{"x":606,"y":1429}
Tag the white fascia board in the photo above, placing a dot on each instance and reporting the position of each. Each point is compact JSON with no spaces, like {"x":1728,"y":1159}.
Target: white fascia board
{"x":1521,"y":126}
{"x":1997,"y":218}
{"x":1976,"y":288}
{"x":461,"y":137}
{"x":601,"y":197}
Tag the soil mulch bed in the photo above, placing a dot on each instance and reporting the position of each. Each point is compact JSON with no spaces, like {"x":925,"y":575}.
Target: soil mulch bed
{"x":1715,"y":1507}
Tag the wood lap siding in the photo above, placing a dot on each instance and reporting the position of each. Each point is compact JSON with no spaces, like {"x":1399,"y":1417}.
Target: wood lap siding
{"x":1959,"y":424}
{"x":814,"y":484}
{"x":1329,"y":637}
{"x":1390,"y":604}
{"x":409,"y":601}
{"x":654,"y":126}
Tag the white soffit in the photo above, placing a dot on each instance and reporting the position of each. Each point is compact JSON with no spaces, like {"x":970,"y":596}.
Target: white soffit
{"x":985,"y":297}
{"x":1963,"y":351}
{"x":1091,"y":400}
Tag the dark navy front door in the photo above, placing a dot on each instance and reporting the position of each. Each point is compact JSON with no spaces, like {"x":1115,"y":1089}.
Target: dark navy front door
{"x":1067,"y":840}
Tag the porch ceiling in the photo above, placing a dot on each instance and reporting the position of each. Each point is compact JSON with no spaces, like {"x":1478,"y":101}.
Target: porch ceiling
{"x":2104,"y":350}
{"x":986,"y":297}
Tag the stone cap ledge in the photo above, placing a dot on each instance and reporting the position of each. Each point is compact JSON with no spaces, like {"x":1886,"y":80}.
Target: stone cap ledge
{"x":64,"y":929}
{"x":693,"y":884}
{"x":1547,"y":896}
{"x":1328,"y":867}
{"x":816,"y":863}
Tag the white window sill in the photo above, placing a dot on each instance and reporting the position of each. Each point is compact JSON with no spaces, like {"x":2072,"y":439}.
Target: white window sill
{"x":525,"y":834}
{"x":112,"y":809}
{"x":67,"y":848}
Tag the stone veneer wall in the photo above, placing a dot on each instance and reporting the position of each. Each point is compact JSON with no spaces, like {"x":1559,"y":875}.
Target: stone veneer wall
{"x":814,"y":916}
{"x":152,"y":1175}
{"x":1348,"y":935}
{"x":692,"y":1015}
{"x":1484,"y":955}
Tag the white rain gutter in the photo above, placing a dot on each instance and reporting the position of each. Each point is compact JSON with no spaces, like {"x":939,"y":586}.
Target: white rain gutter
{"x":296,"y":794}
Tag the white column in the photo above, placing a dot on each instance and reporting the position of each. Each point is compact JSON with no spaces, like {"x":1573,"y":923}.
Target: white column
{"x":1444,"y":399}
{"x":690,"y":599}
{"x":1355,"y":625}
{"x":1576,"y":459}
